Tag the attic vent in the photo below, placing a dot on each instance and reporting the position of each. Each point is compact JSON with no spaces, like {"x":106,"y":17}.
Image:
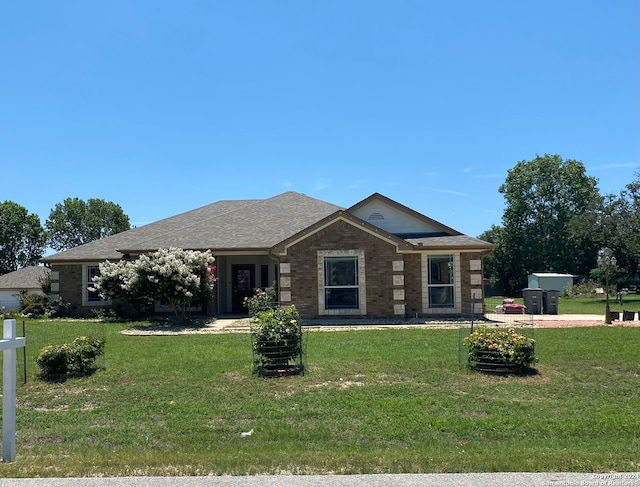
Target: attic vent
{"x":375,"y":217}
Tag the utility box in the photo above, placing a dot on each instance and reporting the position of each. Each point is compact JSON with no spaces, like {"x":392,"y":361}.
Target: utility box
{"x":550,"y":281}
{"x":550,"y":301}
{"x":532,"y":298}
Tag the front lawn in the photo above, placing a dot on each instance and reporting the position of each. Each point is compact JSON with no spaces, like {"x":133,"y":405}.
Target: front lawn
{"x":370,"y":402}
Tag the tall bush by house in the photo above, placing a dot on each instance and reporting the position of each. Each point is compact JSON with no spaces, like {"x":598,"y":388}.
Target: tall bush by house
{"x":182,"y":278}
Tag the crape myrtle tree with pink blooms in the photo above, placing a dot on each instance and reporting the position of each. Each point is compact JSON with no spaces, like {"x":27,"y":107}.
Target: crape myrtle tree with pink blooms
{"x":182,"y":278}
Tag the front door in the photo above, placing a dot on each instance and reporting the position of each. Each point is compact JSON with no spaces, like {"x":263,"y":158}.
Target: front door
{"x":243,"y":285}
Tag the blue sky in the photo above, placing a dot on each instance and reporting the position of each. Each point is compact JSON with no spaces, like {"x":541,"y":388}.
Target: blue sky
{"x":162,"y":107}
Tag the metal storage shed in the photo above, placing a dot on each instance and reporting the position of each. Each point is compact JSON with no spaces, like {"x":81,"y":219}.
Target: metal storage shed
{"x":550,"y":281}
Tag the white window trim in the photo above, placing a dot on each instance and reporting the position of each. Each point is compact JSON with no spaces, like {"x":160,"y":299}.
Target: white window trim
{"x":362,"y":294}
{"x":85,"y":291}
{"x":457,"y":287}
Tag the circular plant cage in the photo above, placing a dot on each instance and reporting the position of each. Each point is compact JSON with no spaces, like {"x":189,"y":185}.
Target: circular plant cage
{"x":277,"y":343}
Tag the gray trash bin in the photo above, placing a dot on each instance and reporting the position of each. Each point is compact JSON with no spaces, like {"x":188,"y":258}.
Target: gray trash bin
{"x":550,"y":301}
{"x":532,"y":298}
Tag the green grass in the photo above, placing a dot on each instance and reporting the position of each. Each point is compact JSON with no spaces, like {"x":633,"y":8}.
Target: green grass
{"x":370,"y":402}
{"x":596,"y":304}
{"x":584,"y":304}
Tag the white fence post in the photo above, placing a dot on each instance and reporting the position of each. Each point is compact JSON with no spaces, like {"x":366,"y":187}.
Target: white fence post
{"x":8,"y":345}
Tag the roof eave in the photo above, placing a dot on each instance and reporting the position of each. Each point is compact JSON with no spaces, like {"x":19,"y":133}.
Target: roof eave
{"x":281,"y":248}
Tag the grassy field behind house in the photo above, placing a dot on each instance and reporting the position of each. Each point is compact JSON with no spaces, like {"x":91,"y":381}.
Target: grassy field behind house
{"x":584,"y":304}
{"x":371,"y":401}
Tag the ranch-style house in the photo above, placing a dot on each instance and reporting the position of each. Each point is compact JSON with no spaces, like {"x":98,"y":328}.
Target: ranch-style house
{"x":377,"y":259}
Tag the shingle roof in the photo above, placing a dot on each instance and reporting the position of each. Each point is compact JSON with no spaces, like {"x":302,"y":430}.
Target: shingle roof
{"x":224,"y":225}
{"x":228,"y":225}
{"x":451,"y":242}
{"x":25,"y":278}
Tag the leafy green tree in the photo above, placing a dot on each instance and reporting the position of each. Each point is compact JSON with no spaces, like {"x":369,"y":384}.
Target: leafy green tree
{"x":75,"y":222}
{"x":494,"y":261}
{"x":619,"y":230}
{"x":548,"y":200}
{"x":22,"y":238}
{"x":176,"y":276}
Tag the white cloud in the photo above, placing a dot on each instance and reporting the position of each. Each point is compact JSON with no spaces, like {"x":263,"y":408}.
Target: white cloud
{"x":614,"y":165}
{"x":321,"y":185}
{"x":449,"y":191}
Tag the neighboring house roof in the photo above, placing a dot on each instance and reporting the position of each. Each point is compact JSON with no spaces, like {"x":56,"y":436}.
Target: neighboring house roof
{"x":25,"y":278}
{"x":224,"y":225}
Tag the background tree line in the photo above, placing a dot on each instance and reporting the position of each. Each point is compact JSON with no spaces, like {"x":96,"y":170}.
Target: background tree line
{"x":24,"y":240}
{"x":555,"y":220}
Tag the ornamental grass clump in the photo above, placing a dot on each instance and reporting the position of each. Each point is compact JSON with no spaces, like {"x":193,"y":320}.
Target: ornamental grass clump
{"x":500,"y":347}
{"x":277,"y":337}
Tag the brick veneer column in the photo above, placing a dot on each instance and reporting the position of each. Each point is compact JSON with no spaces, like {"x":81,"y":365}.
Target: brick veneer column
{"x":284,"y":285}
{"x":475,"y":281}
{"x":398,"y":288}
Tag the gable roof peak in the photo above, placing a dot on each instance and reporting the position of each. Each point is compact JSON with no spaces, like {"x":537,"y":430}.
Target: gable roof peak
{"x":385,"y":200}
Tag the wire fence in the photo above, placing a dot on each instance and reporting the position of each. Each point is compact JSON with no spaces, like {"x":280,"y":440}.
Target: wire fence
{"x":495,"y":310}
{"x":41,"y":334}
{"x":465,"y":331}
{"x":277,"y":358}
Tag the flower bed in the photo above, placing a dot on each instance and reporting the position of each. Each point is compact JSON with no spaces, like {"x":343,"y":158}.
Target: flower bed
{"x":500,"y":351}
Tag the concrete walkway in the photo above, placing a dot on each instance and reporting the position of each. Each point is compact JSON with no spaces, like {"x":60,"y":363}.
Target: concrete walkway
{"x":507,"y":479}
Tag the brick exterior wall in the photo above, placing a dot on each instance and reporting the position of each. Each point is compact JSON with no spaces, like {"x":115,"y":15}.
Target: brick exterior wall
{"x":413,"y":284}
{"x":70,"y":287}
{"x":71,"y":281}
{"x":299,"y":275}
{"x":303,"y":265}
{"x":465,"y":284}
{"x":472,"y":290}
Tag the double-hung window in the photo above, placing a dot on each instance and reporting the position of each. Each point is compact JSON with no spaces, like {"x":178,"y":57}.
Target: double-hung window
{"x":441,"y":281}
{"x":92,"y":296}
{"x":341,"y":283}
{"x":89,"y":297}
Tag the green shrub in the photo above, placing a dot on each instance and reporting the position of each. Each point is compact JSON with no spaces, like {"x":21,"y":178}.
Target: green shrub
{"x":52,"y":360}
{"x":71,"y":359}
{"x":83,"y":352}
{"x":500,"y":347}
{"x":262,"y":300}
{"x":12,"y":314}
{"x":35,"y":305}
{"x":277,"y":336}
